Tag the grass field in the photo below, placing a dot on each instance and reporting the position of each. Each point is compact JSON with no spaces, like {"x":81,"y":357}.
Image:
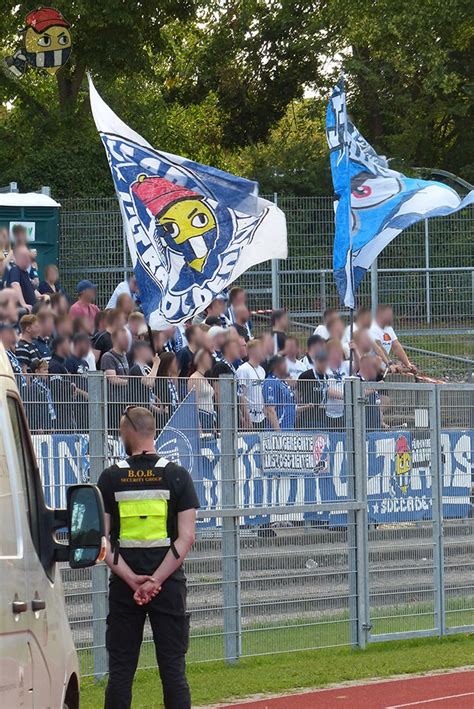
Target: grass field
{"x":215,"y":681}
{"x":328,"y":631}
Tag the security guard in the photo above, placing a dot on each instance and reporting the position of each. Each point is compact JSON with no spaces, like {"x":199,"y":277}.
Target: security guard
{"x":150,"y":507}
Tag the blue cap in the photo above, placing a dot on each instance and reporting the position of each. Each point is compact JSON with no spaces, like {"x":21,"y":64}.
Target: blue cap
{"x":84,"y":285}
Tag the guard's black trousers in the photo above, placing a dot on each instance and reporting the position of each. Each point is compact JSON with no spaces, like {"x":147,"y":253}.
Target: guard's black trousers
{"x":170,"y":626}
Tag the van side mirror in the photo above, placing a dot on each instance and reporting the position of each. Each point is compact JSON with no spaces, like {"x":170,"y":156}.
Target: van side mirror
{"x":85,"y":519}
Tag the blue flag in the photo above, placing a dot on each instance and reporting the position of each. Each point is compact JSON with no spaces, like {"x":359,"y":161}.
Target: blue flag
{"x":191,"y":229}
{"x":373,"y":202}
{"x":179,"y":441}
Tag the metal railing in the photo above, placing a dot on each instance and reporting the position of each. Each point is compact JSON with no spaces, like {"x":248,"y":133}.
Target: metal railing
{"x":351,"y":524}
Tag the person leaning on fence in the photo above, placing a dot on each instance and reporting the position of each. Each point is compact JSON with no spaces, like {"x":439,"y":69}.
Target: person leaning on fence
{"x":250,"y":377}
{"x":38,"y":399}
{"x":368,"y":372}
{"x":199,"y":382}
{"x":150,"y":514}
{"x":115,"y":365}
{"x":26,"y":350}
{"x":312,"y":393}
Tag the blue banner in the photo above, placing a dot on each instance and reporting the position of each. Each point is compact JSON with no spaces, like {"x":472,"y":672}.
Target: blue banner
{"x":292,"y":468}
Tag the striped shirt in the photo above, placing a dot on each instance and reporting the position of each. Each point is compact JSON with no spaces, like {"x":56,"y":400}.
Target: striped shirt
{"x":26,"y":352}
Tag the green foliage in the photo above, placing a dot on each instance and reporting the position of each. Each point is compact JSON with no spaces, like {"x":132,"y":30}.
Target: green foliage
{"x":293,"y":160}
{"x":228,"y":83}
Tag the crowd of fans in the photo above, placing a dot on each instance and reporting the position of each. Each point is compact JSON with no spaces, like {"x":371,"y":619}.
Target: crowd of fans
{"x":49,"y":335}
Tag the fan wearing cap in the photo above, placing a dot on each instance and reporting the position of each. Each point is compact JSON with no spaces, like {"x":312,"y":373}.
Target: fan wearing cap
{"x":47,"y":39}
{"x":184,"y":222}
{"x":84,"y":307}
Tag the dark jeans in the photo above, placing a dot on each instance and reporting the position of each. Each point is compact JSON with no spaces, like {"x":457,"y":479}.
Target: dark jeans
{"x":170,"y":627}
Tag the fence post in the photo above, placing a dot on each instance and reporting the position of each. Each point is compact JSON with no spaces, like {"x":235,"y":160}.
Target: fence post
{"x":322,"y":291}
{"x":230,"y":525}
{"x":427,"y":274}
{"x":437,"y":508}
{"x":374,"y":287}
{"x":357,"y":521}
{"x":97,"y":408}
{"x":275,"y":272}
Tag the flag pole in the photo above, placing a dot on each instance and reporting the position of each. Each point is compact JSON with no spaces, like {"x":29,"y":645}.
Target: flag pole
{"x":349,"y":226}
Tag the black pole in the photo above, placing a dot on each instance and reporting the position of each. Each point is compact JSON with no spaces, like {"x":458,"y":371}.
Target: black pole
{"x":150,"y":337}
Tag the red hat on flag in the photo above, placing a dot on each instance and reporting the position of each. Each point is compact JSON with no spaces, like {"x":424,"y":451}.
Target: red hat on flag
{"x":156,"y":193}
{"x":45,"y":17}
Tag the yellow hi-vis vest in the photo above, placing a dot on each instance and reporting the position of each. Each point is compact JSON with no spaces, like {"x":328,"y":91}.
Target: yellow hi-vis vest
{"x":143,"y":516}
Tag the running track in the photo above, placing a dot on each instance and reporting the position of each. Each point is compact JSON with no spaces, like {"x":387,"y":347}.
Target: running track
{"x":451,"y":690}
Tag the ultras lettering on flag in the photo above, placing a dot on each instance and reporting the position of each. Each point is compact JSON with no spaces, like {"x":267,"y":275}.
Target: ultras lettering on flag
{"x":191,"y":229}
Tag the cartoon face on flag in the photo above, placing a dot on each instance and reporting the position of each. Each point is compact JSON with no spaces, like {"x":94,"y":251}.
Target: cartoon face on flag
{"x":191,"y":229}
{"x":373,"y":202}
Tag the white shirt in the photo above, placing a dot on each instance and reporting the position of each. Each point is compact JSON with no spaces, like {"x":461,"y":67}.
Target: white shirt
{"x":122,"y":287}
{"x":334,"y":404}
{"x":295,"y":368}
{"x":250,"y":382}
{"x":322,"y":331}
{"x":386,"y":336}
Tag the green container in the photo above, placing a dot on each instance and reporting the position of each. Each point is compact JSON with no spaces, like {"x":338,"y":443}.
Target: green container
{"x":39,"y":214}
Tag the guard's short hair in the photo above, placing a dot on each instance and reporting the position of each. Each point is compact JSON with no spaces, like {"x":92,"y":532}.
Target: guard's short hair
{"x":143,"y":420}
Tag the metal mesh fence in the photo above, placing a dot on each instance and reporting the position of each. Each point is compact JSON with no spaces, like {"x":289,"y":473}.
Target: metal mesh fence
{"x":426,"y":273}
{"x":330,"y":514}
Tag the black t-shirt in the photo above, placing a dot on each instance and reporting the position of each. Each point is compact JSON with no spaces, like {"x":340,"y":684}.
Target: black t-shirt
{"x":103,"y":343}
{"x":312,"y":396}
{"x":138,"y":473}
{"x":17,"y":275}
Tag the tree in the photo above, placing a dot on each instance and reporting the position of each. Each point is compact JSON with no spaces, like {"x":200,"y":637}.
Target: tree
{"x":410,"y":69}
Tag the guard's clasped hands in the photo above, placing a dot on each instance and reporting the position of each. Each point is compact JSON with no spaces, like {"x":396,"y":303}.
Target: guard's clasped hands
{"x":148,"y":587}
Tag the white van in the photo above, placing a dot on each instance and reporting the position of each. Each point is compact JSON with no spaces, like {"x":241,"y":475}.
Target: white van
{"x":38,"y":661}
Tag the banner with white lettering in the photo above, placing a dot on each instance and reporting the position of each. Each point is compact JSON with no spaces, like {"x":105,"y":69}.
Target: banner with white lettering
{"x":295,"y":468}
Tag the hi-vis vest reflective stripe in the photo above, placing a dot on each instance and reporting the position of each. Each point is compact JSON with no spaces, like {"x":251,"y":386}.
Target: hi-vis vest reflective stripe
{"x":144,"y":517}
